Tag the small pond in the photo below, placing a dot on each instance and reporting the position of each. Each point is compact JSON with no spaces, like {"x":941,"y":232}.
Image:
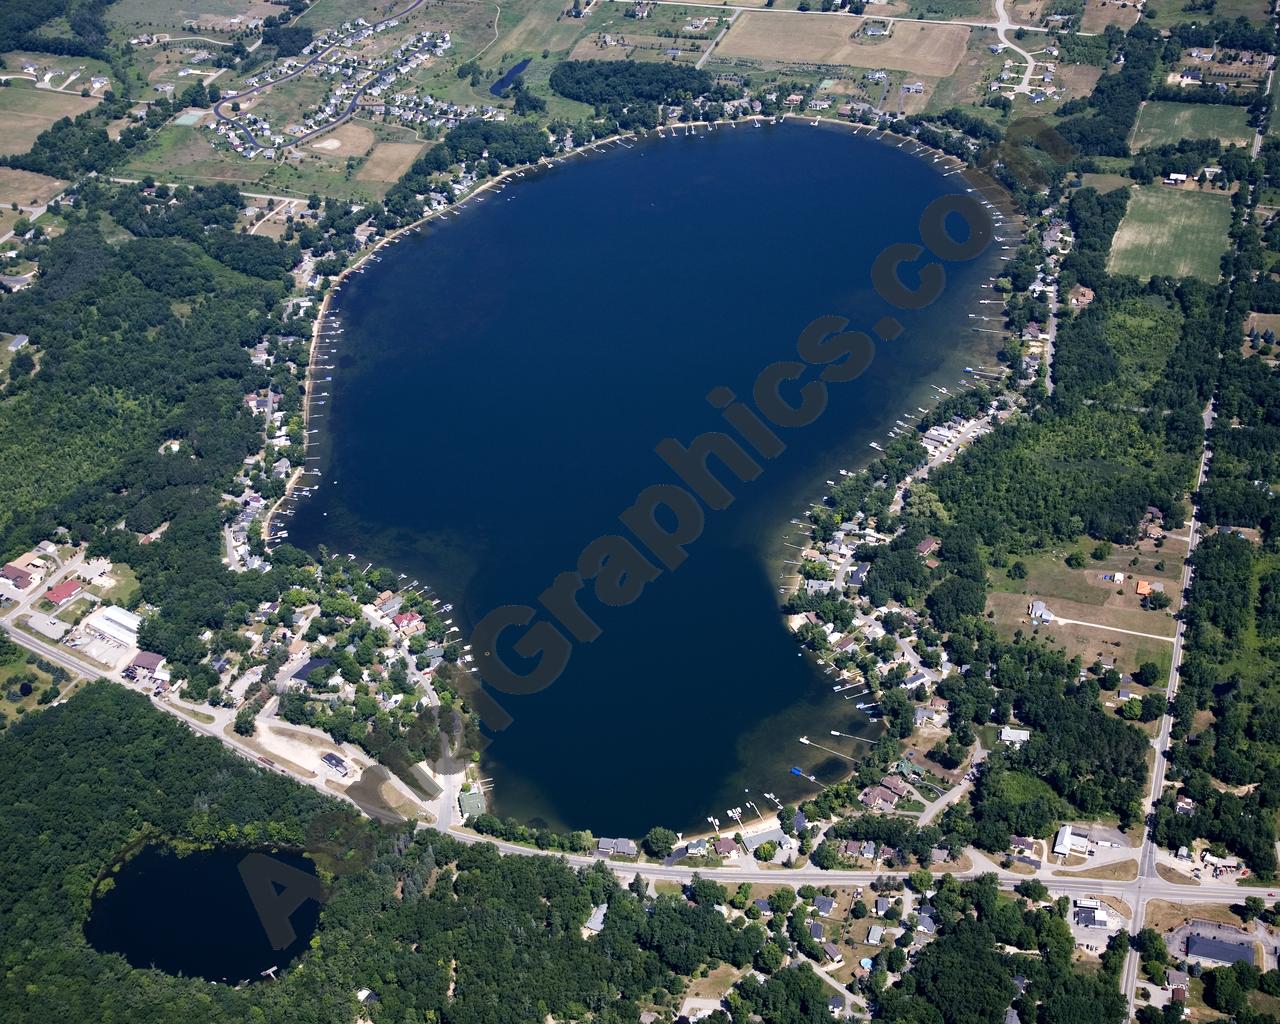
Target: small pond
{"x":198,"y":915}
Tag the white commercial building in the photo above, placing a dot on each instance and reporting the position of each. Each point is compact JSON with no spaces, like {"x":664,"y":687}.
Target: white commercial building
{"x":115,"y":624}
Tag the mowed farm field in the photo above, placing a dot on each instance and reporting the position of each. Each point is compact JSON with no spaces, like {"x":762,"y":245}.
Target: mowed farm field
{"x":1167,"y":231}
{"x":1160,"y":123}
{"x":925,"y":49}
{"x":26,"y":111}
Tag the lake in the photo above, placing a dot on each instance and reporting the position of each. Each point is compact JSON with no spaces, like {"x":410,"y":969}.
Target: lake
{"x":501,"y":385}
{"x":193,"y":915}
{"x":507,"y":80}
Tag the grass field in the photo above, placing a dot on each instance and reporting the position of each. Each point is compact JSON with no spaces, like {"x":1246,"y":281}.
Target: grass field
{"x":1166,"y":231}
{"x":389,"y":161}
{"x":159,"y":14}
{"x":1098,"y":14}
{"x":1165,"y":13}
{"x":1160,"y":123}
{"x":924,"y":49}
{"x":26,"y":111}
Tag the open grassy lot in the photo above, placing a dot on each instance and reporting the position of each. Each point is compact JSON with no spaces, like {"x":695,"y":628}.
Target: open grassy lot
{"x":389,"y":161}
{"x":974,"y":71}
{"x":26,"y":189}
{"x":1105,"y":182}
{"x":924,"y":49}
{"x":1166,"y":231}
{"x":1166,"y":13}
{"x":1160,"y":123}
{"x":218,"y":15}
{"x":1098,"y":14}
{"x":26,"y":111}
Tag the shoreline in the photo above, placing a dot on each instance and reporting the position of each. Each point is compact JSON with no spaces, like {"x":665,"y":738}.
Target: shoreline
{"x":512,"y":172}
{"x":952,"y":165}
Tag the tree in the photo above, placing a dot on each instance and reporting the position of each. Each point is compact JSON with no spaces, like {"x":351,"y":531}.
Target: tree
{"x":659,"y":842}
{"x":246,"y":720}
{"x":1148,"y":674}
{"x":1033,"y":889}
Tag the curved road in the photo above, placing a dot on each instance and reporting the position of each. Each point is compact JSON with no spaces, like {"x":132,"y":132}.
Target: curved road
{"x":317,"y":59}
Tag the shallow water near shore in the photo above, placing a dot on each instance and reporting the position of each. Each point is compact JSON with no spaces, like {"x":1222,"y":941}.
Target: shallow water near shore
{"x":501,"y":384}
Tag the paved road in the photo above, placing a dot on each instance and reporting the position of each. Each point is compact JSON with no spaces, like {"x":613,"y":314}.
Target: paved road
{"x":778,"y":11}
{"x":317,"y":59}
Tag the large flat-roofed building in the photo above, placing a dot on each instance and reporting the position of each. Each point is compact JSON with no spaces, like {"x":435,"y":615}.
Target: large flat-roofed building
{"x":1218,"y":951}
{"x":116,"y":624}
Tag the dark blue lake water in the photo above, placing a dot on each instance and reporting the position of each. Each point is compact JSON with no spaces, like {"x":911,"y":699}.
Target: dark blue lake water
{"x":193,"y":915}
{"x":503,"y":381}
{"x":506,"y":81}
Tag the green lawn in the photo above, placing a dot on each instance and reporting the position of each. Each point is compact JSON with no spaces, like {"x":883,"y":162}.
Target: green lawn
{"x":1173,"y":12}
{"x":1165,"y":231}
{"x":1162,"y":123}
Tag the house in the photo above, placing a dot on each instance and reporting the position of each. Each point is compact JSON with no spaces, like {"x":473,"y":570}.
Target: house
{"x":1143,"y":588}
{"x":1023,"y":844}
{"x":896,"y":785}
{"x":857,"y":576}
{"x":832,"y":953}
{"x":876,"y":935}
{"x":1206,"y":950}
{"x":19,"y":341}
{"x":408,"y":623}
{"x":1039,"y":612}
{"x":762,"y":905}
{"x":595,"y":923}
{"x":697,"y":848}
{"x":815,"y":931}
{"x":774,"y":835}
{"x":836,"y":1005}
{"x":868,"y":850}
{"x":616,"y":847}
{"x":926,"y":924}
{"x":878,"y":798}
{"x":824,"y":905}
{"x":927,"y":546}
{"x":1176,"y":179}
{"x":1014,"y":737}
{"x":882,"y":906}
{"x":471,"y":803}
{"x":725,"y":847}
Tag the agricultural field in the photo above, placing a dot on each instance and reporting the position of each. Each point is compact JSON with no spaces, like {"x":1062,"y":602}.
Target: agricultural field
{"x":207,"y":15}
{"x":1167,"y":231}
{"x":26,"y":111}
{"x":1160,"y":123}
{"x":922,"y":49}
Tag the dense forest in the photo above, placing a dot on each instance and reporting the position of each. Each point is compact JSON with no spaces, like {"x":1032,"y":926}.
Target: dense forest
{"x":438,"y":929}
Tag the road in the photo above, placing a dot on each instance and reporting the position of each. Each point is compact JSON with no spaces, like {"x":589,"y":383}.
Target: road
{"x":1003,"y":21}
{"x":1149,"y":885}
{"x":1114,"y":629}
{"x":1002,"y":26}
{"x":317,"y":59}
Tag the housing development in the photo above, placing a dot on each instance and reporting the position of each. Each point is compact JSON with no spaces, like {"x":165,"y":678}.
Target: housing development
{"x":254,"y":719}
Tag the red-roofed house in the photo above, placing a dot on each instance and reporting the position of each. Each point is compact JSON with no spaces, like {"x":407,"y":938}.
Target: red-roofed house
{"x":408,"y":623}
{"x":64,"y":592}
